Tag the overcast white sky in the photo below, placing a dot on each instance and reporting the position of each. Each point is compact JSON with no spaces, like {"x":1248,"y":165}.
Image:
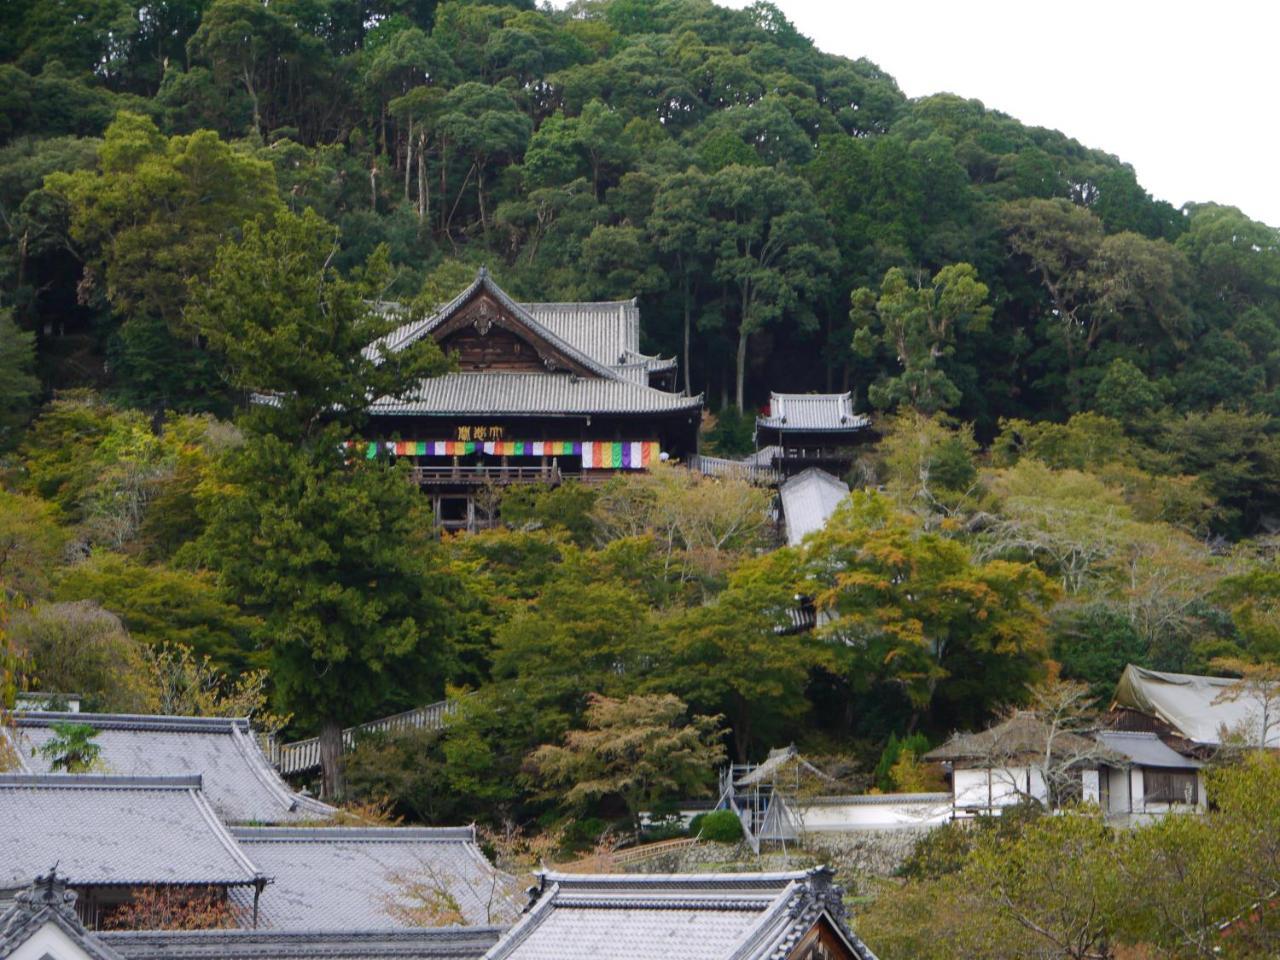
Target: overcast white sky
{"x":1185,"y":92}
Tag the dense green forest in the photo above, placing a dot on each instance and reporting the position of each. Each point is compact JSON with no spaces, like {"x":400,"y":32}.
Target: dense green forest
{"x":1076,"y":384}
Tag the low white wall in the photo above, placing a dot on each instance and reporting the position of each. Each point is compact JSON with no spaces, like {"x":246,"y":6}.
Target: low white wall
{"x":978,"y":790}
{"x":873,"y":812}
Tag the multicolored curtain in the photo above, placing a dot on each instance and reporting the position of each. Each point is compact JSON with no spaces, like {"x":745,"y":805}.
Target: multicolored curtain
{"x":596,"y":454}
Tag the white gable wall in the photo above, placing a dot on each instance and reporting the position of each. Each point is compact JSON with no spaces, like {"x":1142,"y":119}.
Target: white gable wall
{"x":50,"y":940}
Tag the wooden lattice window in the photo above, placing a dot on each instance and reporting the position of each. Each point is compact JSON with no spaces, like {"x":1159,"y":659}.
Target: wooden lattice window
{"x":1169,"y":786}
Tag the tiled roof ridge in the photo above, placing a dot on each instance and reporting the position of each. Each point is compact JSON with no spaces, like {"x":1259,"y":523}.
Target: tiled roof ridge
{"x":133,"y":721}
{"x":745,"y":904}
{"x":393,"y":934}
{"x":102,"y":781}
{"x":671,"y":402}
{"x":263,"y":771}
{"x":223,"y":834}
{"x":542,"y":896}
{"x":758,"y":933}
{"x":334,"y":834}
{"x":775,"y":879}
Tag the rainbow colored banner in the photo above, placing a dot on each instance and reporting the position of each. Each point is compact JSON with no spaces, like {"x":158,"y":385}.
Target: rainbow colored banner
{"x":596,"y":454}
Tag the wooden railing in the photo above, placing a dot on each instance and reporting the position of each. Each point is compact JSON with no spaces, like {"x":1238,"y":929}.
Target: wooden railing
{"x":738,"y":469}
{"x":477,"y":476}
{"x":609,"y":861}
{"x":304,"y":755}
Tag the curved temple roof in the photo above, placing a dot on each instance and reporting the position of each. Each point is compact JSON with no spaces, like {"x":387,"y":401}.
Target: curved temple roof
{"x":239,"y":782}
{"x":358,"y":878}
{"x":112,"y":830}
{"x":742,"y":916}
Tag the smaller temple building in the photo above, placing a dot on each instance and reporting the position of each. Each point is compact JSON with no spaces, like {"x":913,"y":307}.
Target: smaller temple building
{"x":803,"y":430}
{"x":542,"y":392}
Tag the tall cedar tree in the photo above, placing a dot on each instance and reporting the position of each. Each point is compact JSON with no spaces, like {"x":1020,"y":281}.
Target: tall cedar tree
{"x":334,"y":553}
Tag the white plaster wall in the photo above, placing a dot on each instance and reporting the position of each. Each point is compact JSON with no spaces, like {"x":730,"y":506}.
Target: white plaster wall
{"x":1008,"y":786}
{"x":900,"y":812}
{"x":50,"y":940}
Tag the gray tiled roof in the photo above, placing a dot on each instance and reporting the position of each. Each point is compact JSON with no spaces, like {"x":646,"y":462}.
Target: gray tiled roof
{"x":338,"y":878}
{"x":239,"y":783}
{"x":751,"y":916}
{"x":812,"y":411}
{"x":115,"y":830}
{"x":495,"y":394}
{"x":455,"y":943}
{"x":603,"y":336}
{"x":808,"y":501}
{"x":1145,"y":750}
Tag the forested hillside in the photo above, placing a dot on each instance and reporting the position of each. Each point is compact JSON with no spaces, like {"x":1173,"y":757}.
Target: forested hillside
{"x":1076,"y":384}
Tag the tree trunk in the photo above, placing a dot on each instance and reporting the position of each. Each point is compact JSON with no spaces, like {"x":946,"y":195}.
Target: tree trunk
{"x":373,"y":185}
{"x":253,"y":98}
{"x":444,"y":193}
{"x":424,"y":189}
{"x":408,"y":159}
{"x":484,"y":223}
{"x":740,"y":373}
{"x":688,"y":311}
{"x":332,"y":782}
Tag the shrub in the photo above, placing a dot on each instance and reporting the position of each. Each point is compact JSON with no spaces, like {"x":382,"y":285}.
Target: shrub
{"x":720,"y":826}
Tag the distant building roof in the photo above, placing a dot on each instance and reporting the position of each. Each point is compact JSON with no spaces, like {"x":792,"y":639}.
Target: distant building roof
{"x":423,"y":943}
{"x":1022,"y":736}
{"x":1145,"y":750}
{"x":112,"y":830}
{"x":745,"y":916}
{"x":818,"y":412}
{"x":239,"y":783}
{"x":530,"y":394}
{"x":1199,"y":708}
{"x":808,"y":501}
{"x":355,"y":878}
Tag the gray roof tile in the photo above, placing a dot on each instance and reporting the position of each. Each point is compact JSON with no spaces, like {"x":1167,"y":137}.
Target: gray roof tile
{"x":808,"y":501}
{"x":115,"y":830}
{"x":374,"y":878}
{"x":812,"y":411}
{"x":1145,"y":750}
{"x":674,"y":917}
{"x":239,"y":783}
{"x":517,"y":394}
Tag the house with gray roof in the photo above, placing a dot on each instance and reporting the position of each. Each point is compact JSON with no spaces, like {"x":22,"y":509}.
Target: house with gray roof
{"x":43,"y":924}
{"x":239,"y":783}
{"x":797,"y":915}
{"x":541,"y":392}
{"x":110,"y":835}
{"x":362,"y":878}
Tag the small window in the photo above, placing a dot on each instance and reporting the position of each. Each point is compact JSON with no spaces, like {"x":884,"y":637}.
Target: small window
{"x":1169,"y":786}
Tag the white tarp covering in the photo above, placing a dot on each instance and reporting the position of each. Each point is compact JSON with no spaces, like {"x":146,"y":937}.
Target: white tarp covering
{"x":1199,"y":708}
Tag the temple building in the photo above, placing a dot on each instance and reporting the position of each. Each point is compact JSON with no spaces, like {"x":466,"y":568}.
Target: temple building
{"x":542,"y":392}
{"x":803,"y":430}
